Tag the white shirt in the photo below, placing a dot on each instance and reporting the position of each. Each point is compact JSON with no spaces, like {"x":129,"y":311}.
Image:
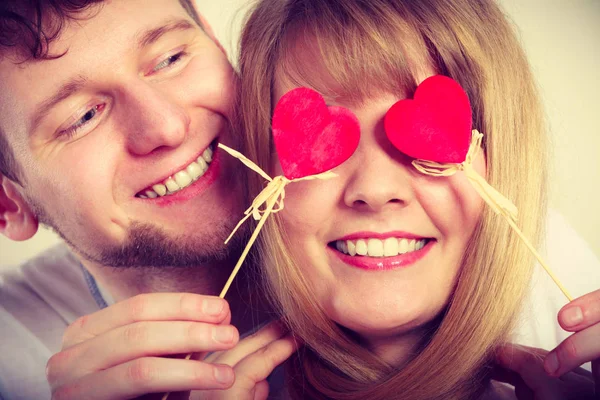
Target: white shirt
{"x":45,"y":295}
{"x":578,"y":269}
{"x":37,"y":302}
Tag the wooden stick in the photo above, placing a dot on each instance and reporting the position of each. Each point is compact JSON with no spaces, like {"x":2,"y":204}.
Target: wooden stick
{"x":539,"y":258}
{"x":271,"y":202}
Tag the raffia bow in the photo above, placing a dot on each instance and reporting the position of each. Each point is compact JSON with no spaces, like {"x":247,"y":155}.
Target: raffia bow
{"x":498,"y":202}
{"x":269,"y":201}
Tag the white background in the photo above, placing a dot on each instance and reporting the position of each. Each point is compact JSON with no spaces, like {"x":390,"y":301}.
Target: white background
{"x":562,"y":40}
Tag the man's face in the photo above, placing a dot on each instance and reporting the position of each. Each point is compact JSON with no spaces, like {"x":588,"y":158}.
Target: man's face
{"x":139,"y":96}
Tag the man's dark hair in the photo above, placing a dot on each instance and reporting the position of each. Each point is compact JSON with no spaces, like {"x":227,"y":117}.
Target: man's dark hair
{"x":28,"y":27}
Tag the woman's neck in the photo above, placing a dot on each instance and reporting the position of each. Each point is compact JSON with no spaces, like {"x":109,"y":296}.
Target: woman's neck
{"x":396,"y":350}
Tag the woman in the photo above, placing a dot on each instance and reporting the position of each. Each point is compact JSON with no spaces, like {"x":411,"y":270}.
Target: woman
{"x":424,"y":324}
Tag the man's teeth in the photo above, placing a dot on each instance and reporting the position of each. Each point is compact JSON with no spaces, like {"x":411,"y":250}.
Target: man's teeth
{"x":389,"y":247}
{"x":181,"y":179}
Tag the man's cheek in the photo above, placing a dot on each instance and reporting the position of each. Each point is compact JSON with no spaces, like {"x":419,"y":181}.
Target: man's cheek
{"x":209,"y":86}
{"x":83,"y":185}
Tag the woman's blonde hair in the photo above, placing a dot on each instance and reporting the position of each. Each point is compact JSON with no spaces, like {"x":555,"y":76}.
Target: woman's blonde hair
{"x":369,"y":47}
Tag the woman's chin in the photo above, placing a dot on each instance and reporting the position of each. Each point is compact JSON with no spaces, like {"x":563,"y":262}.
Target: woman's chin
{"x":378,"y":329}
{"x":390,"y":337}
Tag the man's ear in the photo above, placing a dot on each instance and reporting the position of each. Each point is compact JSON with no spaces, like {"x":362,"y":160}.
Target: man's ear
{"x":206,"y":26}
{"x":17,"y":221}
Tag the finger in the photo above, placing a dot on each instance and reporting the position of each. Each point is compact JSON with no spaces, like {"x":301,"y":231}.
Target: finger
{"x":528,"y":363}
{"x":581,"y":313}
{"x":248,"y":345}
{"x":258,"y":366}
{"x":261,"y":391}
{"x":574,"y":351}
{"x":576,"y":385}
{"x":148,"y":375}
{"x":148,"y":307}
{"x":141,"y":339}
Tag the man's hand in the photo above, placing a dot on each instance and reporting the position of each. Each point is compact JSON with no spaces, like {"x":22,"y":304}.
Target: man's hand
{"x":541,"y":375}
{"x":130,"y":348}
{"x":523,"y":368}
{"x":581,"y":316}
{"x":253,"y":360}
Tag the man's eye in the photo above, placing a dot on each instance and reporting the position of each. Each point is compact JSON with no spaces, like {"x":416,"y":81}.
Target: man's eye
{"x":85,"y":119}
{"x":169,"y":61}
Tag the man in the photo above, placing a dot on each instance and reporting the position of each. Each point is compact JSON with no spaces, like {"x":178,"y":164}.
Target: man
{"x":110,"y":113}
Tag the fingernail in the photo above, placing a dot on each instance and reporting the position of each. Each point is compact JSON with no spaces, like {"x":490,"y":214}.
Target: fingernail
{"x":572,"y":316}
{"x":551,"y":364}
{"x":223,"y":375}
{"x":223,"y":334}
{"x":212,"y":307}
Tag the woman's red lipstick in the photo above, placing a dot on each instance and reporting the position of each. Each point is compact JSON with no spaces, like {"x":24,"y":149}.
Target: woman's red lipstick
{"x":383,"y":263}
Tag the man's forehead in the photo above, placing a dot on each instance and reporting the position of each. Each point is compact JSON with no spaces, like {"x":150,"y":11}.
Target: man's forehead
{"x":102,"y":28}
{"x":118,"y":21}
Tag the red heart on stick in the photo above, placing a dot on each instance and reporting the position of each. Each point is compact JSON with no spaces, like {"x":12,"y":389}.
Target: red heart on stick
{"x":310,"y":137}
{"x":435,"y":125}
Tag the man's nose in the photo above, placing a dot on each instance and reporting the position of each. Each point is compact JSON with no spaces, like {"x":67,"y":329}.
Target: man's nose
{"x":154,"y":120}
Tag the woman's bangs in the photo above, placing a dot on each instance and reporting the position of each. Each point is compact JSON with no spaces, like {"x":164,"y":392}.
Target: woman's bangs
{"x":348,"y":57}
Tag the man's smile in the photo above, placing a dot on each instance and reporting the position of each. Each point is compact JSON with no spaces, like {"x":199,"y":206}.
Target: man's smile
{"x":182,"y":178}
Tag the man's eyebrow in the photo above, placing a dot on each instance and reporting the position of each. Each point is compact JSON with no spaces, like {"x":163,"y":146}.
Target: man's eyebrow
{"x":72,"y":86}
{"x":146,"y":38}
{"x":66,"y":90}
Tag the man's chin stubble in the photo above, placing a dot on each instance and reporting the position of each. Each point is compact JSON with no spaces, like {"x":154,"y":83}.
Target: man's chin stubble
{"x":148,"y":246}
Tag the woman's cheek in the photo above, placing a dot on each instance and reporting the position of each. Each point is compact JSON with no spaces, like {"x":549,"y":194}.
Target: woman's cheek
{"x":451,"y":203}
{"x":308,"y":205}
{"x":299,"y":206}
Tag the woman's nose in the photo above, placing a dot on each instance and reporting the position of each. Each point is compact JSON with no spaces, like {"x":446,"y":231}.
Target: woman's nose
{"x":380,"y":176}
{"x":379,"y":184}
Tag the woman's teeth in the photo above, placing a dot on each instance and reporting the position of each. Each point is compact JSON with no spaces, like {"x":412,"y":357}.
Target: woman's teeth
{"x":182,"y":179}
{"x":389,"y":247}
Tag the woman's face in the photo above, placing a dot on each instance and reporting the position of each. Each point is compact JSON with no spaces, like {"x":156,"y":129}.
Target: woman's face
{"x":381,"y":245}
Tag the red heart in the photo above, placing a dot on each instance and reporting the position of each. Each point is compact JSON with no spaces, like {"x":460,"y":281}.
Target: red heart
{"x":310,"y":137}
{"x":435,"y":125}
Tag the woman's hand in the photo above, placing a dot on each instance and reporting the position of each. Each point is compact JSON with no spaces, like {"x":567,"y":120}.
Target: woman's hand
{"x":538,"y":374}
{"x":253,"y":360}
{"x":129,"y":348}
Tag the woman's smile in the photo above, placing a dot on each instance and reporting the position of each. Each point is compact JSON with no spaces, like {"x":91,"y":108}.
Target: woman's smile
{"x":380,"y":252}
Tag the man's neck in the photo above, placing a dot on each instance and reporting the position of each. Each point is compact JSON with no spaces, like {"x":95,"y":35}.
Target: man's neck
{"x":247,"y":305}
{"x":123,"y":283}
